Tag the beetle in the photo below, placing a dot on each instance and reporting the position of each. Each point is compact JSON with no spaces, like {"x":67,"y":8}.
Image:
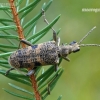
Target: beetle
{"x":47,"y":53}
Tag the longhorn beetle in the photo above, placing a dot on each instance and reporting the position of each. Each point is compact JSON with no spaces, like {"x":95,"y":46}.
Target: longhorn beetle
{"x":47,"y":53}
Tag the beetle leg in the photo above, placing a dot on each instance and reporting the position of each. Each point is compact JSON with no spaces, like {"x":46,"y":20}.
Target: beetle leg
{"x":58,"y":41}
{"x":56,"y":65}
{"x":45,"y":20}
{"x":26,"y":42}
{"x":66,"y":58}
{"x":7,"y":72}
{"x":48,"y":88}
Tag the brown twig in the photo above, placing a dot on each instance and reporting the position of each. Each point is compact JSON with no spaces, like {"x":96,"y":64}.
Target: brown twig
{"x":21,"y":36}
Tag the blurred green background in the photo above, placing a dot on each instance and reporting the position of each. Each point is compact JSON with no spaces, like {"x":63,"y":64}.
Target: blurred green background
{"x":81,"y":77}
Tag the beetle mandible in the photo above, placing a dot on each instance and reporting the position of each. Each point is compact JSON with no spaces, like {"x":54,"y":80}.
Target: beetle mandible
{"x":47,"y":53}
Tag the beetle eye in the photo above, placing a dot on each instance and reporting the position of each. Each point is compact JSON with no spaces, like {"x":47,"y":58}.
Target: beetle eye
{"x":72,"y":43}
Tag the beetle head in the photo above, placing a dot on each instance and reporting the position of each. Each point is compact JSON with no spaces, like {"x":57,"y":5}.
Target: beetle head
{"x":75,"y":46}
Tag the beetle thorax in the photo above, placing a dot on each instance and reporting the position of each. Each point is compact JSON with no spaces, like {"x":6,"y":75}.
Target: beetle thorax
{"x":65,"y":50}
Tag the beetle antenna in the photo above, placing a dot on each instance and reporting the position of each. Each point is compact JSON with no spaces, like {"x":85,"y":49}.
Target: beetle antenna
{"x":83,"y":45}
{"x":86,"y":35}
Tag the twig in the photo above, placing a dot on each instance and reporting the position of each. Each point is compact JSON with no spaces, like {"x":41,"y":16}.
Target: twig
{"x":21,"y":36}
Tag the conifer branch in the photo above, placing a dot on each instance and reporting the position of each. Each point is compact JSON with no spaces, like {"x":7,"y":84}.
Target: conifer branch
{"x":21,"y":36}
